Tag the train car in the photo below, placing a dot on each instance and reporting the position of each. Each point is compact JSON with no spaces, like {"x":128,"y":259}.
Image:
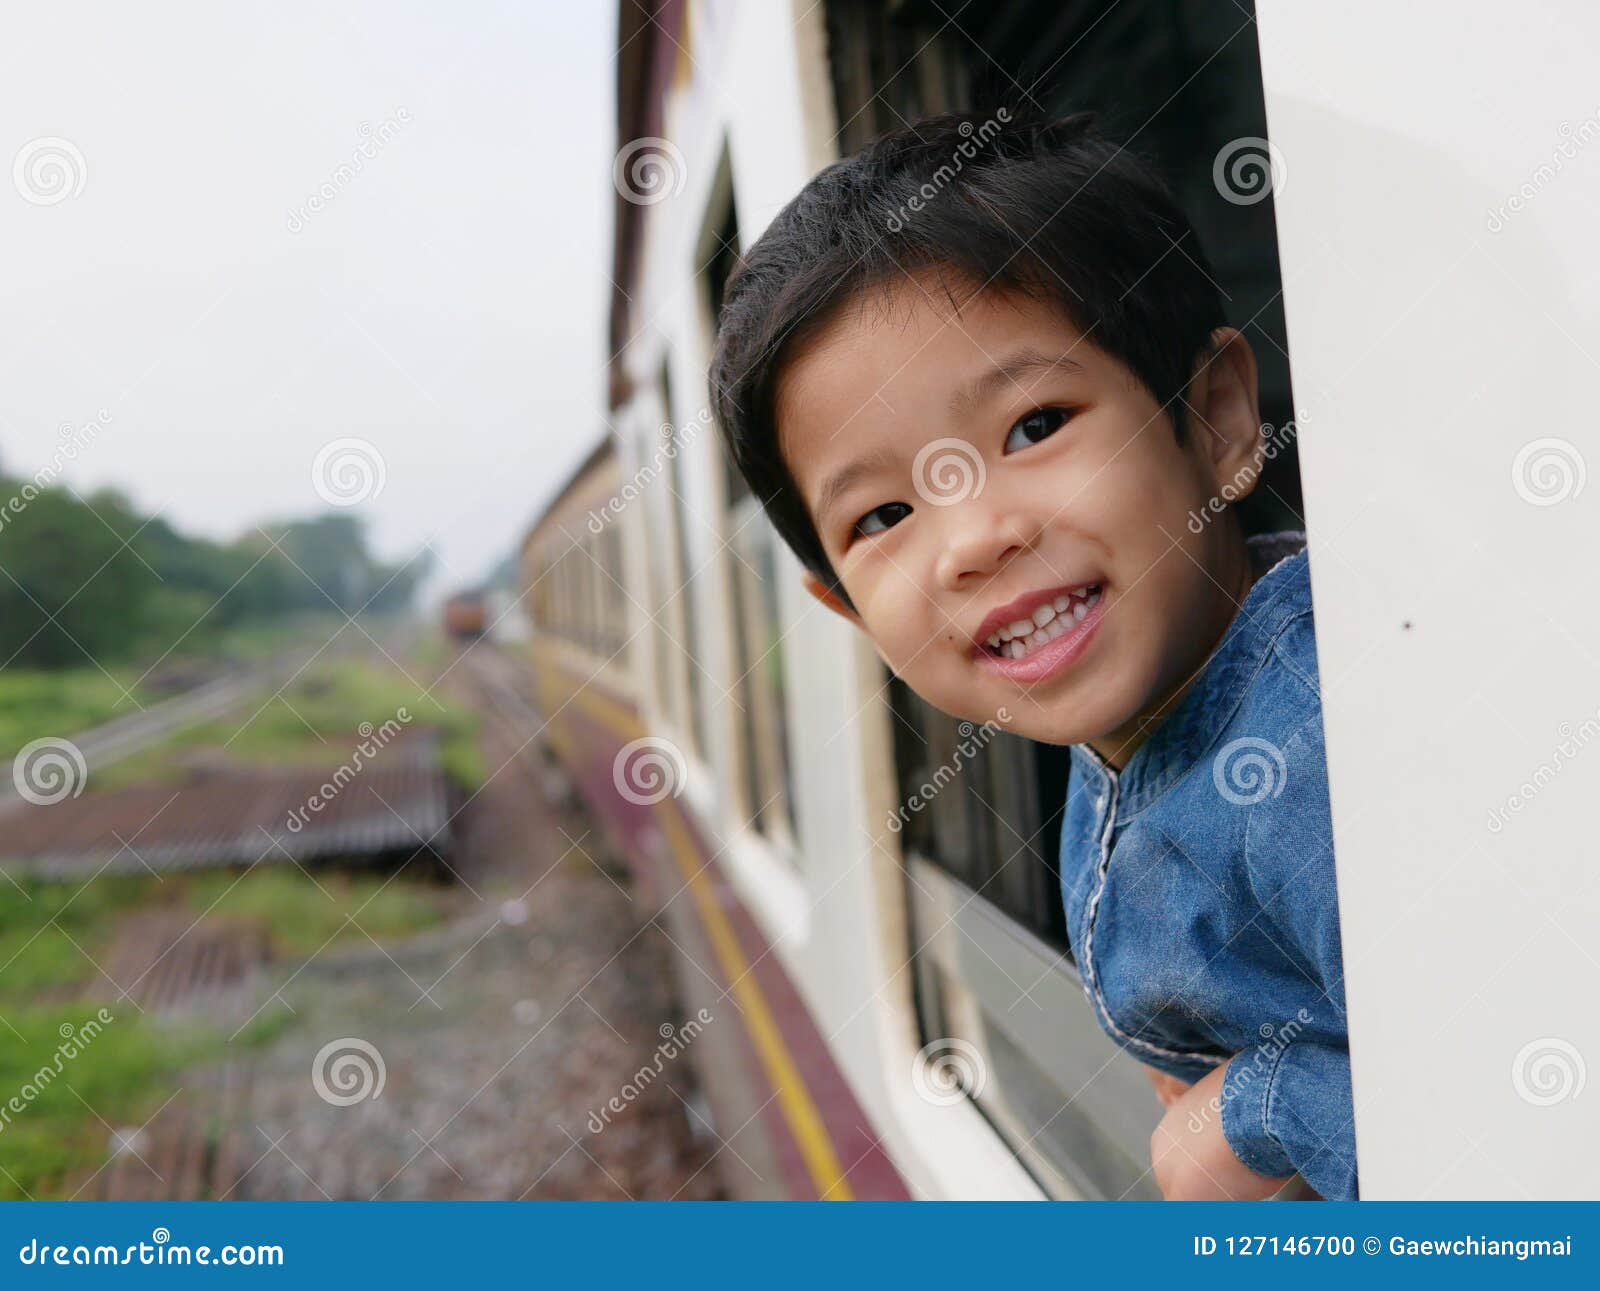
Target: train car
{"x":466,"y":615}
{"x":903,"y":1014}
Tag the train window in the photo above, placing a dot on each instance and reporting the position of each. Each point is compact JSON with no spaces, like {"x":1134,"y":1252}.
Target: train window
{"x":758,"y":688}
{"x":1179,"y":85}
{"x":676,"y":621}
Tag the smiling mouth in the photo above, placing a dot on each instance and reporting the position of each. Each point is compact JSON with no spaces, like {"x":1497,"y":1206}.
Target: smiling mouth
{"x":1047,"y":623}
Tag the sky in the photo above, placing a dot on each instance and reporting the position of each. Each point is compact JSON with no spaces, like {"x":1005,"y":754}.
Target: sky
{"x":238,"y":235}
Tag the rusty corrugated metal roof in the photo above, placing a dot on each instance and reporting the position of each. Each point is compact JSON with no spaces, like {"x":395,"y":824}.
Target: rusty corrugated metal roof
{"x":399,"y":802}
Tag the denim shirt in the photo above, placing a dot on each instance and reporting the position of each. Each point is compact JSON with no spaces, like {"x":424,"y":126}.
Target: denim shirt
{"x":1201,"y":905}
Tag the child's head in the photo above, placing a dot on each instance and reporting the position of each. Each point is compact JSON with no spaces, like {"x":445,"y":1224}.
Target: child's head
{"x":981,"y":369}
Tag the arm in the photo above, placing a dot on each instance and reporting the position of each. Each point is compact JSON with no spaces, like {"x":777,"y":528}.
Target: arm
{"x":1287,"y":1105}
{"x":1292,"y":1114}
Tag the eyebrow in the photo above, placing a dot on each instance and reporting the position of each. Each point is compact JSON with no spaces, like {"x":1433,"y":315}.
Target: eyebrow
{"x":1022,"y":363}
{"x":835,"y":485}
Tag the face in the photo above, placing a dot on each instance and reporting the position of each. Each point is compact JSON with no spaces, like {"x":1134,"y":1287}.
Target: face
{"x":1011,"y":513}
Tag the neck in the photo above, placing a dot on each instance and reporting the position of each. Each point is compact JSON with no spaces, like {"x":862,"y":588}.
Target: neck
{"x":1118,"y":746}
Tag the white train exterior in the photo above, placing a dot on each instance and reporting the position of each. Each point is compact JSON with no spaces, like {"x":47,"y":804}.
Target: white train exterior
{"x":1434,"y":268}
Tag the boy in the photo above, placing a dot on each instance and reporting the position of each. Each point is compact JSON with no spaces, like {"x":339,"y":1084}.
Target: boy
{"x":980,"y":378}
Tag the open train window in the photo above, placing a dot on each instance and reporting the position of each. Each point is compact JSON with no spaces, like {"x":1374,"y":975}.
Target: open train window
{"x":758,"y":689}
{"x":1179,"y":85}
{"x":677,"y":658}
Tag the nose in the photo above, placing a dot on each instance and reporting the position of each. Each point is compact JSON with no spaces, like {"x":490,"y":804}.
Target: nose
{"x":980,"y":539}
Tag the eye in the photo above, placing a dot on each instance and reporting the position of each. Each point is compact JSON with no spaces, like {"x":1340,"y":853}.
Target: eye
{"x":1039,"y":424}
{"x":881,"y":518}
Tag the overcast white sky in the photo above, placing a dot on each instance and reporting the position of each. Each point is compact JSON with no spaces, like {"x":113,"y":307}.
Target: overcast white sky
{"x":447,"y":305}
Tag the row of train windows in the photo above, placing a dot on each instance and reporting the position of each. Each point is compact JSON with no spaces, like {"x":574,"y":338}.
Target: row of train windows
{"x":578,"y":593}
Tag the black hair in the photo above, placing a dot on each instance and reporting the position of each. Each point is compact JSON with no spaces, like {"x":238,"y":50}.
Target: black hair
{"x":1050,"y":209}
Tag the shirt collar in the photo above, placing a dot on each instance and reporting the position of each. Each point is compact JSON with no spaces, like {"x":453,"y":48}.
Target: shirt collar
{"x":1281,"y":592}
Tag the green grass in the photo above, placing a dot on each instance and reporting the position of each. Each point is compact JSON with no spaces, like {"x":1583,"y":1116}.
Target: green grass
{"x":48,"y":933}
{"x":319,"y":720}
{"x":69,"y":1089}
{"x":35,"y":704}
{"x":302,"y":916}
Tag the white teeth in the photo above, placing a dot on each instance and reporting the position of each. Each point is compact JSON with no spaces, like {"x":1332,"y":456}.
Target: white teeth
{"x":1047,"y":623}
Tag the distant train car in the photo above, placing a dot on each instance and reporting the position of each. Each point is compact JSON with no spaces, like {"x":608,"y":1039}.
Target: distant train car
{"x":466,"y":615}
{"x":897,"y":1006}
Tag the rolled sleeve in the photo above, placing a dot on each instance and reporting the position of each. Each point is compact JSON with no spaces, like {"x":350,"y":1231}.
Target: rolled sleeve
{"x":1293,"y":1116}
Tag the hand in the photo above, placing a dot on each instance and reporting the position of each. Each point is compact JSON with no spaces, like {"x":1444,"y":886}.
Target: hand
{"x":1168,"y":1088}
{"x":1191,"y":1157}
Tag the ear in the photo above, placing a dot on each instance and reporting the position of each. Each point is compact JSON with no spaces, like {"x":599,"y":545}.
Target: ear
{"x":830,"y":598}
{"x":1225,"y":418}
